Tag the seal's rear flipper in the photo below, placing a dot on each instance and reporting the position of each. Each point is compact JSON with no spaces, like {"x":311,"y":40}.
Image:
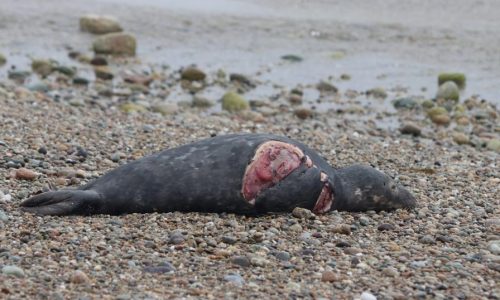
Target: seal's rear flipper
{"x":64,"y":202}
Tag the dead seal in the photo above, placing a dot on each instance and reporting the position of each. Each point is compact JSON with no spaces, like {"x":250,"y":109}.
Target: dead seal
{"x":237,"y":173}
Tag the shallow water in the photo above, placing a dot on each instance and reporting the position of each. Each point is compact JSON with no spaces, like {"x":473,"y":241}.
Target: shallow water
{"x":378,"y":43}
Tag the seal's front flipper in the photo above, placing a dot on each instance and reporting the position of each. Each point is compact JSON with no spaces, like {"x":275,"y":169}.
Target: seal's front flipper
{"x":64,"y":202}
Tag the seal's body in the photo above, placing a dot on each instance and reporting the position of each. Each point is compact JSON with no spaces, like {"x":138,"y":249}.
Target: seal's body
{"x":239,"y":173}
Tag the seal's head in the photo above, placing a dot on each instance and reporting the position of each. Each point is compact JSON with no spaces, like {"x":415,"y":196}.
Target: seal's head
{"x":362,"y":188}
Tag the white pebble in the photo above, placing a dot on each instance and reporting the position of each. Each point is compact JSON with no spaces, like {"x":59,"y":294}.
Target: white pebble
{"x":367,"y":296}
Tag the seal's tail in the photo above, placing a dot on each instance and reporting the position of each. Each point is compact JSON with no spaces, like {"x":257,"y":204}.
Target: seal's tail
{"x":64,"y":202}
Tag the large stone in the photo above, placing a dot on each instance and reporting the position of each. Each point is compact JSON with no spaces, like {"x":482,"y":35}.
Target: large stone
{"x":99,"y":24}
{"x":3,"y":60}
{"x":42,"y":67}
{"x":457,"y":78}
{"x":233,"y":102}
{"x":448,"y":91}
{"x":193,"y":74}
{"x":115,"y":44}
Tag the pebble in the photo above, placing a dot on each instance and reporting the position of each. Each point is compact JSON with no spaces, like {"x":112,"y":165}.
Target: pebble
{"x":303,"y":113}
{"x":449,"y":91}
{"x":115,"y":157}
{"x":386,"y":227}
{"x":390,"y":272}
{"x":295,"y":228}
{"x":176,"y":238}
{"x":367,"y":296}
{"x":494,"y":247}
{"x":229,"y":239}
{"x":25,"y":174}
{"x":3,"y":216}
{"x":115,"y":44}
{"x":460,"y":138}
{"x":79,"y":277}
{"x":193,"y":74}
{"x":13,"y":271}
{"x":42,"y":150}
{"x":99,"y":24}
{"x":165,"y":267}
{"x":328,"y":276}
{"x":427,"y":239}
{"x":303,"y":213}
{"x":233,"y":102}
{"x":241,"y":261}
{"x":342,"y":229}
{"x":235,"y":279}
{"x":410,"y":128}
{"x":283,"y":256}
{"x":326,"y":87}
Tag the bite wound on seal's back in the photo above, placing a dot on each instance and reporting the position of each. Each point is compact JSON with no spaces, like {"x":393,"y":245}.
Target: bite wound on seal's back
{"x":273,"y":161}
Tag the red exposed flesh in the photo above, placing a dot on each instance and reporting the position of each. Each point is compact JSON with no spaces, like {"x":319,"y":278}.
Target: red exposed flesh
{"x":272,"y":162}
{"x":325,"y":199}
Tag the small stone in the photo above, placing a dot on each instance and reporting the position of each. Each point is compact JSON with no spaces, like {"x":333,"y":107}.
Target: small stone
{"x":405,"y":103}
{"x":13,"y":271}
{"x":283,"y":256}
{"x":77,"y":102}
{"x":259,"y":261}
{"x":494,"y":145}
{"x":460,"y":138}
{"x":18,"y":76}
{"x":390,"y":272}
{"x":165,"y":267}
{"x":132,"y":107}
{"x":377,"y":92}
{"x":3,"y":60}
{"x":292,"y":58}
{"x":494,"y":247}
{"x":229,"y":239}
{"x":386,"y":227}
{"x":148,"y":128}
{"x":326,"y":87}
{"x":235,"y":279}
{"x":457,"y":78}
{"x":79,"y":277}
{"x":427,"y":239}
{"x":328,"y":276}
{"x":68,"y":71}
{"x":367,"y":296}
{"x":103,"y":72}
{"x":295,"y":228}
{"x":176,"y":238}
{"x":115,"y":44}
{"x":42,"y":67}
{"x":165,"y":108}
{"x":115,"y":157}
{"x":462,"y":120}
{"x":201,"y":102}
{"x":42,"y":150}
{"x":303,"y":113}
{"x":295,"y":99}
{"x":25,"y":174}
{"x":448,"y":91}
{"x":441,"y":119}
{"x":193,"y":74}
{"x":345,"y":77}
{"x":233,"y":102}
{"x":3,"y":215}
{"x":342,"y":229}
{"x":80,"y":81}
{"x":410,"y":128}
{"x":139,"y":79}
{"x":99,"y":61}
{"x":302,"y":213}
{"x":241,"y":79}
{"x":439,"y":115}
{"x":99,"y":24}
{"x":363,"y":221}
{"x":342,"y":244}
{"x":241,"y":261}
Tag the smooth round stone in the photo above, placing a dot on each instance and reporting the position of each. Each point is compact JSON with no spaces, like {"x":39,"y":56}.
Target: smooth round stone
{"x":367,"y":296}
{"x":494,"y":247}
{"x":235,"y":278}
{"x":13,"y":271}
{"x":241,"y":261}
{"x":3,"y":216}
{"x":283,"y":256}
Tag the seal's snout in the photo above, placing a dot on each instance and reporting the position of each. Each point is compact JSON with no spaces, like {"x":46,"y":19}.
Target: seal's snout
{"x":362,"y":188}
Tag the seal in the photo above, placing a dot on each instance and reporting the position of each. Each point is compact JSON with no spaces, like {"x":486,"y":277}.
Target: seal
{"x":237,"y":173}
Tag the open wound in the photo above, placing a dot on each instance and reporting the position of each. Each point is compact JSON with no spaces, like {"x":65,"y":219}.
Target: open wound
{"x":273,"y":161}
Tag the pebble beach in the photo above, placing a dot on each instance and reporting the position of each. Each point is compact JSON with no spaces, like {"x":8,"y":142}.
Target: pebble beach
{"x":100,"y":97}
